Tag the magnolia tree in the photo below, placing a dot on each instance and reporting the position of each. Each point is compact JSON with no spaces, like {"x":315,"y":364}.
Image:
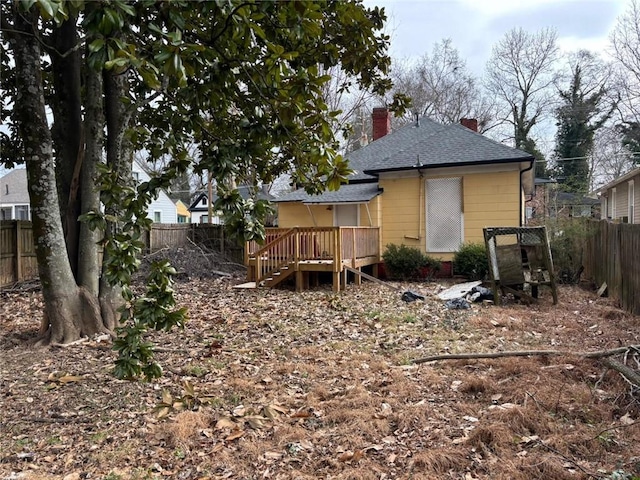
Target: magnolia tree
{"x":242,"y":79}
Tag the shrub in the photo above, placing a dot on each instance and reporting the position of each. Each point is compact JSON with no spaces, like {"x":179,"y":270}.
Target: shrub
{"x":403,"y":262}
{"x":567,"y":239}
{"x":471,"y":261}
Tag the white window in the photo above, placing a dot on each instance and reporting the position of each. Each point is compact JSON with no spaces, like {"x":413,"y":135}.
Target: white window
{"x":444,"y":214}
{"x":631,"y":202}
{"x":5,"y":213}
{"x":204,"y":219}
{"x":157,"y":216}
{"x":22,"y":212}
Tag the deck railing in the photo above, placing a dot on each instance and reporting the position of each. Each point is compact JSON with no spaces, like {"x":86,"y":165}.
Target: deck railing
{"x":302,"y":244}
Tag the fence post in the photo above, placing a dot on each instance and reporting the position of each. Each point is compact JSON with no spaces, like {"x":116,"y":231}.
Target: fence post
{"x":18,"y":263}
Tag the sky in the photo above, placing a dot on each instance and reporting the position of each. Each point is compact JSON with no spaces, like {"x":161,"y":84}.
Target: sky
{"x":474,"y":26}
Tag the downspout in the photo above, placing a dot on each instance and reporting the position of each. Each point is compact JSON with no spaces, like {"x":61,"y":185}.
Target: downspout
{"x":523,"y":213}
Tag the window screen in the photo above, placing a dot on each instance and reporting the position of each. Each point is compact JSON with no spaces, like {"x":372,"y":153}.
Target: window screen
{"x":444,"y":214}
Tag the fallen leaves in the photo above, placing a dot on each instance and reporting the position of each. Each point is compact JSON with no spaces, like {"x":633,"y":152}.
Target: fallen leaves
{"x":317,"y":385}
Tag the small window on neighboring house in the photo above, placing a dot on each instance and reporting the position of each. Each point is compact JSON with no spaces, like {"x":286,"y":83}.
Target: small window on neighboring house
{"x":581,"y":211}
{"x":5,"y":213}
{"x":22,"y":212}
{"x":204,"y":219}
{"x":204,"y":201}
{"x":182,"y":219}
{"x":157,"y":216}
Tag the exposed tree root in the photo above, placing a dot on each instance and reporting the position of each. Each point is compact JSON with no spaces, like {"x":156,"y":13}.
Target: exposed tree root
{"x":71,"y":317}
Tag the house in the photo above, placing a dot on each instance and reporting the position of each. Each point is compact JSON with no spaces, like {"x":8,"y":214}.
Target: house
{"x":15,"y":203}
{"x":161,"y":209}
{"x":426,"y":185}
{"x":14,"y":196}
{"x":619,"y":198}
{"x":182,"y":212}
{"x":550,"y":202}
{"x":199,"y":208}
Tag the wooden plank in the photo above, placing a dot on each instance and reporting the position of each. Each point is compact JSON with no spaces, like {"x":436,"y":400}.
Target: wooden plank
{"x":373,"y":279}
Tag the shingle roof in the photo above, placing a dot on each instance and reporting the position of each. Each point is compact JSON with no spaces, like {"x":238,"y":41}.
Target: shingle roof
{"x":16,"y":184}
{"x":568,"y":198}
{"x":351,"y":193}
{"x":429,"y":144}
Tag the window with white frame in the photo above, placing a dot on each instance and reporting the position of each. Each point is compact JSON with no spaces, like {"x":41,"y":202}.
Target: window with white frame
{"x":22,"y":212}
{"x":5,"y":213}
{"x":631,"y":203}
{"x":157,"y":216}
{"x":444,"y":214}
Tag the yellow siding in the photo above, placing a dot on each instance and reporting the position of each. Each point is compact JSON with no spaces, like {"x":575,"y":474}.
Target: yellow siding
{"x":181,"y":209}
{"x":295,"y":214}
{"x":489,"y":200}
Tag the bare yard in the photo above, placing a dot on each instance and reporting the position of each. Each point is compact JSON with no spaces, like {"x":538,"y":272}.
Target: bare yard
{"x":270,"y":384}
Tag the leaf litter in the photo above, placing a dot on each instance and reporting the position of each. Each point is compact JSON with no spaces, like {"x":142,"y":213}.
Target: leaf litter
{"x":281,"y":385}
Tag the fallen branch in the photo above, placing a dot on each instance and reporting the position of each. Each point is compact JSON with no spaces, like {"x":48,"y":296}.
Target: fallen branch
{"x":629,"y":373}
{"x":525,"y":353}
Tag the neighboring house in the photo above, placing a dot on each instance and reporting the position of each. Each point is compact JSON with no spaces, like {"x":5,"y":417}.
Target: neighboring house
{"x":426,"y":185}
{"x":15,"y":203}
{"x":14,"y":196}
{"x":550,"y":202}
{"x":161,"y":209}
{"x":199,"y":208}
{"x":620,"y":199}
{"x":182,"y":212}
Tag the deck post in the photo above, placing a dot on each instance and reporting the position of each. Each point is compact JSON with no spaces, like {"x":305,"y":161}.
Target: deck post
{"x":358,"y":278}
{"x":345,"y":277}
{"x":337,"y":262}
{"x":299,"y":280}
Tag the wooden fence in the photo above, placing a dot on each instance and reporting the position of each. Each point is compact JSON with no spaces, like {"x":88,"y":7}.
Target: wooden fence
{"x":18,"y":258}
{"x":17,"y":252}
{"x":612,"y":255}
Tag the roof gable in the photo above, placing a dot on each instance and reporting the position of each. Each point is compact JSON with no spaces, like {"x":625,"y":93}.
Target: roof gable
{"x":13,"y":187}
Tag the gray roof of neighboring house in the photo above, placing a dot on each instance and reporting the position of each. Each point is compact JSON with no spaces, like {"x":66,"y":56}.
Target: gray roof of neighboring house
{"x":428,"y":144}
{"x":626,"y":177}
{"x":16,"y":184}
{"x":243,"y":190}
{"x":350,"y":193}
{"x":569,"y":198}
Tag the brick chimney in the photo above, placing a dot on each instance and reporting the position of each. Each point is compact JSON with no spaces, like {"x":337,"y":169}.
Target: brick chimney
{"x":381,"y":122}
{"x":470,"y":123}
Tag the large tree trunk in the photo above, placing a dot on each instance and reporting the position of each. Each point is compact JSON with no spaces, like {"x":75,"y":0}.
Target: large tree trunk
{"x":70,"y":311}
{"x":88,"y":255}
{"x":67,"y":129}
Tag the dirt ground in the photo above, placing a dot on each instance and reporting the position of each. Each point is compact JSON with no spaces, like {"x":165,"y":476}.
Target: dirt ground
{"x":271,"y":384}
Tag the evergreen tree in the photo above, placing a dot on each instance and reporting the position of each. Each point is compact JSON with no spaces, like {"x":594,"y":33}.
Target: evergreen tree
{"x":578,"y":119}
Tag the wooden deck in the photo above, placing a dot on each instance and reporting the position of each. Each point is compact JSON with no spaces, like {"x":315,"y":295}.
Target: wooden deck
{"x":305,"y":251}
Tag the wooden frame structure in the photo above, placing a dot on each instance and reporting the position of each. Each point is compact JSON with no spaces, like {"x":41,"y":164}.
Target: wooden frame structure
{"x":306,"y":251}
{"x":519,"y":258}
